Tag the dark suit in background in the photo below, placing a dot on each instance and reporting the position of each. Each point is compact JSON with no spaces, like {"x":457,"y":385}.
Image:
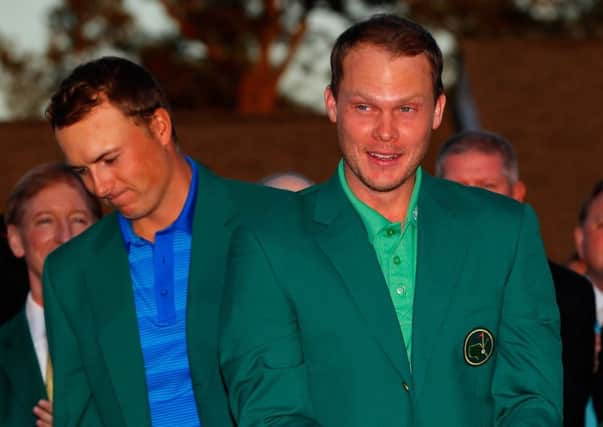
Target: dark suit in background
{"x":576,"y":302}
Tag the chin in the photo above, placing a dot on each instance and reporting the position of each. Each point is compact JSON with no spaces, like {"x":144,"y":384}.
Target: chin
{"x":129,"y":212}
{"x":382,"y":184}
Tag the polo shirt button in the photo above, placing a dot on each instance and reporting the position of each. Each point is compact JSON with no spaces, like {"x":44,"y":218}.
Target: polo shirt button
{"x":405,"y":386}
{"x":391,"y":231}
{"x":401,"y":290}
{"x":164,"y":292}
{"x":396,"y":260}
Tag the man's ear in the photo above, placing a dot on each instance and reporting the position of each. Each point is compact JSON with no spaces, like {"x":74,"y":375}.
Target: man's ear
{"x":330,"y":104}
{"x":438,"y":113}
{"x":579,"y":241}
{"x":161,"y":125}
{"x":519,"y":191}
{"x":15,"y":241}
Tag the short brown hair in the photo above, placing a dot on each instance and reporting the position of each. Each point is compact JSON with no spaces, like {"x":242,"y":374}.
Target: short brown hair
{"x":585,"y":208}
{"x":399,"y":36}
{"x":36,"y":180}
{"x":124,"y":84}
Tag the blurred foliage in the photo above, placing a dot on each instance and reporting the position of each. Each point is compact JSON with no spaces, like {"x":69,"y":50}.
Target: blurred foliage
{"x":229,"y":42}
{"x":518,"y":18}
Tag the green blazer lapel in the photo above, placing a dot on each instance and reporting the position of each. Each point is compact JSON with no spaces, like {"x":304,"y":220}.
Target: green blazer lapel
{"x":20,"y":363}
{"x":211,"y":234}
{"x":110,"y":287}
{"x":441,"y":250}
{"x":344,"y":241}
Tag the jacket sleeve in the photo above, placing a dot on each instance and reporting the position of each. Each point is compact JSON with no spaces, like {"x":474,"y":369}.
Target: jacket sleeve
{"x":261,"y":354}
{"x":72,"y":402}
{"x":527,"y":383}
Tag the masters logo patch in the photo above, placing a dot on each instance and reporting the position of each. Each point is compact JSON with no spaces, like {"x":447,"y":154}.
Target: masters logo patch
{"x":478,"y":346}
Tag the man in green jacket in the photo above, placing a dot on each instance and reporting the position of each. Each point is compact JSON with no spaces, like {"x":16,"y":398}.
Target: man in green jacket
{"x":385,"y":297}
{"x":132,"y":305}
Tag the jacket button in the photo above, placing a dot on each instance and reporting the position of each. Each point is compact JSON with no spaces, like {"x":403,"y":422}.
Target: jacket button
{"x":405,"y":386}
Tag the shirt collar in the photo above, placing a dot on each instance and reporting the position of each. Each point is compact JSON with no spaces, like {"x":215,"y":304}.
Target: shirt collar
{"x":373,"y":221}
{"x":184,"y":222}
{"x":35,"y":318}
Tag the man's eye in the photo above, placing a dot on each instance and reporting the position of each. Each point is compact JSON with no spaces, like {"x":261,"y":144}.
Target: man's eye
{"x":407,"y":109}
{"x":80,"y":171}
{"x":81,"y":220}
{"x":43,"y":220}
{"x":362,"y":107}
{"x":109,"y":160}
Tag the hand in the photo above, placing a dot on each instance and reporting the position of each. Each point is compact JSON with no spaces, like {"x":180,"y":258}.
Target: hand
{"x":43,"y":411}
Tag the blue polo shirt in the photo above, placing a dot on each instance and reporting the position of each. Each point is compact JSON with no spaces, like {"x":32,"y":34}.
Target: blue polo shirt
{"x":159,"y":274}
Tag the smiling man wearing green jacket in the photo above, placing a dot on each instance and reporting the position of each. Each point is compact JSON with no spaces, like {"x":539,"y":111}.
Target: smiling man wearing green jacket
{"x":385,"y":297}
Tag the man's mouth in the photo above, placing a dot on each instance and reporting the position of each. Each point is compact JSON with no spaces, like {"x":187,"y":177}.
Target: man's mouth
{"x":383,"y":156}
{"x":111,"y":198}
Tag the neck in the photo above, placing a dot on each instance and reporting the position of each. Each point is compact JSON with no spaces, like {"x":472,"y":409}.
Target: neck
{"x":171,"y":203}
{"x":596,"y":279}
{"x":35,"y":287}
{"x":392,"y":205}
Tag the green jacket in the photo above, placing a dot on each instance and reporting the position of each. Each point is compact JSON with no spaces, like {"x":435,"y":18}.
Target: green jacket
{"x":310,"y":337}
{"x":21,"y":384}
{"x":99,"y":376}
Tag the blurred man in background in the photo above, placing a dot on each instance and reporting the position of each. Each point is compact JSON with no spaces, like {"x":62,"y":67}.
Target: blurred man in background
{"x":588,"y":237}
{"x":487,"y":160}
{"x":47,"y":207}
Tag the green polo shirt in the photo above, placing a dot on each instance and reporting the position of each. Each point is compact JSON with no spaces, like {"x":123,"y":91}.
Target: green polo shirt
{"x":396,"y":250}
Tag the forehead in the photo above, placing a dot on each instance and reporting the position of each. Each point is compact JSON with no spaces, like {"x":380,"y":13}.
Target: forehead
{"x":104,"y":128}
{"x":596,"y":207}
{"x":372,"y":65}
{"x":60,"y":194}
{"x":473,"y":161}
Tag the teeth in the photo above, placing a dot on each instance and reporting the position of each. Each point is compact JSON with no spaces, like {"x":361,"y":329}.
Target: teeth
{"x":384,"y":156}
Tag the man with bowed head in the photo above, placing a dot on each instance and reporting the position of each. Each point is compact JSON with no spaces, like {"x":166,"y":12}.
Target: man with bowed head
{"x":395,"y":299}
{"x":132,"y":304}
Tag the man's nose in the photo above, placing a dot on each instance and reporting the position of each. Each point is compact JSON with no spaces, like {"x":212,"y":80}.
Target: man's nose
{"x":385,"y":129}
{"x":102,"y":182}
{"x":64,"y":232}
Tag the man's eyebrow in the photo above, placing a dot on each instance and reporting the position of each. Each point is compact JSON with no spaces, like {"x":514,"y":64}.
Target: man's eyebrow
{"x":103,"y":155}
{"x":96,"y":160}
{"x":42,"y":212}
{"x":370,"y":98}
{"x":100,"y":157}
{"x":75,"y":168}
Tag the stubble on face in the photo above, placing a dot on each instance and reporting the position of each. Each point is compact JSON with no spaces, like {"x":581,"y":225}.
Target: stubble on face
{"x":384,"y":112}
